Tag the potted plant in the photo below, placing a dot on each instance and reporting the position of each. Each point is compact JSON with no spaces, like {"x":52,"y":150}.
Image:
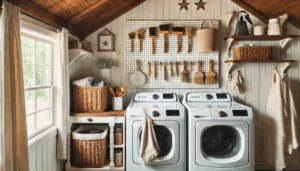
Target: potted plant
{"x":105,"y":65}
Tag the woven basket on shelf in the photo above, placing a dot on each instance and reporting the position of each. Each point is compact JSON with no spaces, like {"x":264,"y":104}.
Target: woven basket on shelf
{"x":89,"y":144}
{"x":252,"y":52}
{"x":90,"y":99}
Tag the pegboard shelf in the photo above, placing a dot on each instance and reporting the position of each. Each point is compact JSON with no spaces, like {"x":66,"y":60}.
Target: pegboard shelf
{"x":171,"y":56}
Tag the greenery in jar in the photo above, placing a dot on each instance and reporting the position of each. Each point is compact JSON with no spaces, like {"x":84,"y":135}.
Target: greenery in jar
{"x":106,"y":63}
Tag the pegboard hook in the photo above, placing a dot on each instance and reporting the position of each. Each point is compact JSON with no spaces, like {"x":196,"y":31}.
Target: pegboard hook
{"x":229,"y":68}
{"x":284,"y":67}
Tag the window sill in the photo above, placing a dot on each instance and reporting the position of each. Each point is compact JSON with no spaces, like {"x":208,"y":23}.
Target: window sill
{"x":42,"y":137}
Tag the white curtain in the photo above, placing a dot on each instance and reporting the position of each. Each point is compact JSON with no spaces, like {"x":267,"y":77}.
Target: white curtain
{"x":61,"y":101}
{"x":13,"y":132}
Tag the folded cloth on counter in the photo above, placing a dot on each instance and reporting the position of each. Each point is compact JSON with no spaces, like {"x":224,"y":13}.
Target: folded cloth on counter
{"x":84,"y":82}
{"x":149,"y":147}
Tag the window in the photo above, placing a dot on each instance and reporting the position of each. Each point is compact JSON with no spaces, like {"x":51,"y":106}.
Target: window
{"x":37,"y":53}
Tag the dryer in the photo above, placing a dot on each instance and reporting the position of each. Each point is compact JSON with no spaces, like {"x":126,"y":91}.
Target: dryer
{"x":220,"y":133}
{"x":168,"y":116}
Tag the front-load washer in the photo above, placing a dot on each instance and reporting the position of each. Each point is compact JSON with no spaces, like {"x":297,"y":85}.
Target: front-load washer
{"x":168,"y":116}
{"x":220,"y":133}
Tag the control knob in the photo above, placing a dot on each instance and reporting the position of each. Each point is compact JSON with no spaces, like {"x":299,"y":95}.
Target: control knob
{"x":222,"y":114}
{"x":209,"y":96}
{"x":155,"y":96}
{"x":155,"y":113}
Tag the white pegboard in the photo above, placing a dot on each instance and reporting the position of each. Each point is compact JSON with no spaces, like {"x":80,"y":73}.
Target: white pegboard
{"x":172,"y":56}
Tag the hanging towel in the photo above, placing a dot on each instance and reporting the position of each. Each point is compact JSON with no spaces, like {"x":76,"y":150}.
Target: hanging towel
{"x":280,"y":127}
{"x":291,"y":139}
{"x":149,"y":147}
{"x":238,"y":85}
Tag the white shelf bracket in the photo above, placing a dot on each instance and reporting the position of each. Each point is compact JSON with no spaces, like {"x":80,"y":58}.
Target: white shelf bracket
{"x":284,"y":67}
{"x":228,"y":20}
{"x":283,"y":44}
{"x":229,"y":68}
{"x":229,"y":44}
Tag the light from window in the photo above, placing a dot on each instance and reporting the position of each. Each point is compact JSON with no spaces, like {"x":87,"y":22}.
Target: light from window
{"x":37,"y":72}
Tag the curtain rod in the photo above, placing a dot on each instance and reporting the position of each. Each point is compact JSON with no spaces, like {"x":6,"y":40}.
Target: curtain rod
{"x":40,"y":22}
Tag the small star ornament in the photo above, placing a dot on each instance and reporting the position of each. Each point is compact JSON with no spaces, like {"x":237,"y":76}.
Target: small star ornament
{"x":184,"y":5}
{"x":200,"y":4}
{"x":105,"y":43}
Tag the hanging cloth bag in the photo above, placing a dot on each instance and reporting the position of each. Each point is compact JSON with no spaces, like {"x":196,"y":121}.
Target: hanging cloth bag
{"x":206,"y":38}
{"x":238,"y":86}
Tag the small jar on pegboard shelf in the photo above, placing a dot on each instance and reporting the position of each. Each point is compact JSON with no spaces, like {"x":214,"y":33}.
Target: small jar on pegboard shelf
{"x":118,"y":136}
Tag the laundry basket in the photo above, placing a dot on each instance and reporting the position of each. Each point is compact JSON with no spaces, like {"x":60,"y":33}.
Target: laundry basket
{"x":89,"y":146}
{"x":206,"y":38}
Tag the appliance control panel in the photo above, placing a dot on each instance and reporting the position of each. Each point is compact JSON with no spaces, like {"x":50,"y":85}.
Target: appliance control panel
{"x":155,"y":97}
{"x":172,"y":113}
{"x":208,"y":97}
{"x":240,"y":113}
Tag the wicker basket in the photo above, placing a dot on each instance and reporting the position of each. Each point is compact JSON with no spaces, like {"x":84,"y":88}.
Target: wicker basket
{"x":89,"y":144}
{"x":252,"y":52}
{"x":207,"y":38}
{"x":90,"y":99}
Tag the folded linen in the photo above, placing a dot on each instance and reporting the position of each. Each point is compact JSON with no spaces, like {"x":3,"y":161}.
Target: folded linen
{"x":149,"y":147}
{"x":84,"y":82}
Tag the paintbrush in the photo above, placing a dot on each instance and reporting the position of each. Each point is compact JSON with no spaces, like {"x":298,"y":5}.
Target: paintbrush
{"x":164,"y":30}
{"x":178,"y":31}
{"x":189,"y":34}
{"x":155,"y":70}
{"x":152,"y":35}
{"x":184,"y":73}
{"x":132,"y":37}
{"x":210,"y":75}
{"x":149,"y":69}
{"x":198,"y":77}
{"x":141,"y":32}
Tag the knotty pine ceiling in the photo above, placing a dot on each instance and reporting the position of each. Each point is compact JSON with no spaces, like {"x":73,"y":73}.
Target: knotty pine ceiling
{"x":80,"y":17}
{"x":266,"y":9}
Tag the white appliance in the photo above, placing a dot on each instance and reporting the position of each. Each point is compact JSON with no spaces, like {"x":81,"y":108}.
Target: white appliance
{"x":221,"y":133}
{"x":168,"y":116}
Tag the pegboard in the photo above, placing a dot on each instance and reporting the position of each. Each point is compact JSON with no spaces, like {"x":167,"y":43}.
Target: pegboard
{"x":171,"y":56}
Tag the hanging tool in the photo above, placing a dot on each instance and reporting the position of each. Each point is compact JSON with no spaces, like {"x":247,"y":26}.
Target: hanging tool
{"x":155,"y":70}
{"x":178,"y":31}
{"x":149,"y":69}
{"x":184,"y":73}
{"x":198,"y":77}
{"x":152,"y":35}
{"x":141,"y":32}
{"x":132,"y":37}
{"x":241,"y":25}
{"x":210,"y":75}
{"x":164,"y":30}
{"x":137,"y":78}
{"x":189,"y":34}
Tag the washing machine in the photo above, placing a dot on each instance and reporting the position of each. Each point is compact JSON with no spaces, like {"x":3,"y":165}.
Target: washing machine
{"x":220,"y":133}
{"x":168,"y":116}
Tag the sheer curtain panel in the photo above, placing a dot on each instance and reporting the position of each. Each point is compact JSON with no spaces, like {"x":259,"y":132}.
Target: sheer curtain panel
{"x":13,"y":132}
{"x":61,"y":96}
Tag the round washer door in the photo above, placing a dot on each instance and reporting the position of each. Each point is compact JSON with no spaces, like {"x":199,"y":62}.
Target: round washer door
{"x":167,"y":135}
{"x":222,"y":145}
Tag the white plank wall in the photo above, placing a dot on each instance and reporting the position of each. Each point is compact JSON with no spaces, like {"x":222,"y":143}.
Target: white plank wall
{"x":257,"y":76}
{"x":42,"y":157}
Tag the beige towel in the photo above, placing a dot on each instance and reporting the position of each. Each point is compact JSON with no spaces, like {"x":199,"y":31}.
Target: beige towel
{"x":149,"y":148}
{"x":238,"y":85}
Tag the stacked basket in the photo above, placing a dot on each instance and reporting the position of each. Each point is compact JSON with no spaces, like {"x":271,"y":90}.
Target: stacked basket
{"x":252,"y":52}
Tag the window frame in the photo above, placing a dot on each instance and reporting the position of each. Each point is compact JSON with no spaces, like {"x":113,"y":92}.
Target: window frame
{"x":43,"y":39}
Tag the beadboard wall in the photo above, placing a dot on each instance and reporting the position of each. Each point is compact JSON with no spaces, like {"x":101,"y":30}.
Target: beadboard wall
{"x":257,"y":77}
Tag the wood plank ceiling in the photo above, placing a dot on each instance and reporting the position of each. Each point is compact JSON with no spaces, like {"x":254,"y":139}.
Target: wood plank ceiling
{"x":266,"y":9}
{"x":80,"y":17}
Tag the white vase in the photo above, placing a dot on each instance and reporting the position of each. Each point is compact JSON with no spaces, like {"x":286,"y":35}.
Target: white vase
{"x":105,"y":75}
{"x":274,"y":27}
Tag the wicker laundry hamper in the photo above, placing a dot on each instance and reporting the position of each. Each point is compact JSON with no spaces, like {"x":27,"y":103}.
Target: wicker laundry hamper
{"x":90,"y":99}
{"x":89,"y":144}
{"x":207,"y":38}
{"x":252,"y":52}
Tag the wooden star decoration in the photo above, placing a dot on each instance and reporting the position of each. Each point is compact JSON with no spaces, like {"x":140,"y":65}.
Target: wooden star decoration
{"x":200,"y":4}
{"x":184,"y":5}
{"x":105,"y":43}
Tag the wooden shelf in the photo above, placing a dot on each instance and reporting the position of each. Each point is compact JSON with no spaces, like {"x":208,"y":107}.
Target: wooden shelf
{"x":261,"y":38}
{"x":78,"y":55}
{"x":258,"y":61}
{"x":106,"y":113}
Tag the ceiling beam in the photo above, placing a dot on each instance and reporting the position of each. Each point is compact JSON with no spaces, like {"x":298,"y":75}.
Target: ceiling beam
{"x":251,"y":10}
{"x":77,"y":17}
{"x":114,"y":16}
{"x":33,"y":10}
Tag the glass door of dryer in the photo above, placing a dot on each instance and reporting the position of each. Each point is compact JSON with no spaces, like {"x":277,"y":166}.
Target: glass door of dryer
{"x":222,"y":145}
{"x":167,"y":135}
